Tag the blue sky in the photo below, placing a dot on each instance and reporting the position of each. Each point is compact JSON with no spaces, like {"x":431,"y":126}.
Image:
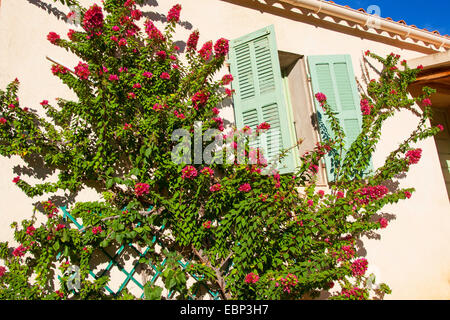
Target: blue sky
{"x":430,"y":14}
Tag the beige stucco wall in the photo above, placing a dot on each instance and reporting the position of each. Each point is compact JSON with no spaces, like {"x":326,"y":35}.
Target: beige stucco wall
{"x":412,"y":256}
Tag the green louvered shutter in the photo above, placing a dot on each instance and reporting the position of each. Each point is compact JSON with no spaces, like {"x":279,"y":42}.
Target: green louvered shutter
{"x":259,"y":94}
{"x":333,"y":75}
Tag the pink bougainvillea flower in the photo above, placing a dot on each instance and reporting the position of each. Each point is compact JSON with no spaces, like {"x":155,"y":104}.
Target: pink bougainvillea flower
{"x":207,"y":171}
{"x":371,"y":193}
{"x":440,"y":127}
{"x":116,"y":28}
{"x":366,"y":108}
{"x":82,"y":70}
{"x":114,"y":38}
{"x":60,"y":226}
{"x":426,"y":102}
{"x":227,"y":79}
{"x":157,"y":107}
{"x":141,"y":188}
{"x":200,"y":98}
{"x":215,"y":187}
{"x":321,"y":193}
{"x":359,"y":267}
{"x":2,"y":120}
{"x":189,"y":172}
{"x":407,"y":194}
{"x":206,"y":50}
{"x":245,"y":187}
{"x":383,"y":222}
{"x":413,"y":156}
{"x":44,"y":103}
{"x":339,"y":194}
{"x":126,"y":126}
{"x":165,"y":76}
{"x":207,"y":224}
{"x":30,"y":230}
{"x":161,"y":54}
{"x":136,"y":14}
{"x":229,"y":92}
{"x":153,"y":32}
{"x":16,"y":179}
{"x":2,"y":271}
{"x":97,"y":230}
{"x":174,"y":13}
{"x":19,"y":251}
{"x":310,"y":203}
{"x":53,"y":37}
{"x":221,"y":47}
{"x":123,"y":69}
{"x":320,"y":97}
{"x":420,"y":67}
{"x":123,"y":42}
{"x":192,"y":42}
{"x":147,"y":74}
{"x":113,"y":77}
{"x":137,"y":86}
{"x":131,"y":95}
{"x":179,"y":115}
{"x":93,"y":19}
{"x":263,"y":126}
{"x":251,"y":278}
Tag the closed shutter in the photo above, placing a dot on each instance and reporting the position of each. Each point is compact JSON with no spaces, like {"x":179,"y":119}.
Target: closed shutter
{"x":259,"y":94}
{"x":333,"y":75}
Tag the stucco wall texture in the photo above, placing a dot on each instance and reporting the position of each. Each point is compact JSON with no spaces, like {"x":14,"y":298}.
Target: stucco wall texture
{"x":412,"y":254}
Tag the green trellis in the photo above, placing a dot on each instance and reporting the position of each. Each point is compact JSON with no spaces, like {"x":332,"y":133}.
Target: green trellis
{"x":113,"y":262}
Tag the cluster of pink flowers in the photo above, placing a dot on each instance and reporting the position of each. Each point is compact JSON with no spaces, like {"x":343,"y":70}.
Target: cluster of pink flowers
{"x":136,"y":14}
{"x":174,"y":13}
{"x":82,"y":70}
{"x":93,"y":19}
{"x":263,"y":126}
{"x":246,"y":187}
{"x":215,"y":187}
{"x":141,"y":188}
{"x":2,"y":271}
{"x":192,"y":42}
{"x":165,"y":76}
{"x":71,"y":34}
{"x":288,"y":283}
{"x":60,"y":226}
{"x":57,"y":69}
{"x":157,"y":107}
{"x":96,"y":230}
{"x":53,"y":37}
{"x":347,"y":252}
{"x":179,"y":115}
{"x":219,"y":122}
{"x":322,"y":98}
{"x":206,"y":51}
{"x":161,"y":54}
{"x":383,"y":222}
{"x":126,"y":126}
{"x":131,"y":95}
{"x":50,"y":208}
{"x":251,"y":278}
{"x":359,"y":267}
{"x":207,"y":224}
{"x":407,"y":194}
{"x":30,"y":230}
{"x":221,"y":47}
{"x":16,"y":179}
{"x":440,"y":127}
{"x":147,"y":74}
{"x":413,"y":156}
{"x":321,"y":193}
{"x":226,"y":79}
{"x":353,"y":293}
{"x":153,"y":32}
{"x":3,"y":120}
{"x":189,"y":172}
{"x":426,"y":102}
{"x":207,"y":171}
{"x":366,"y":108}
{"x":113,"y":77}
{"x":200,"y":98}
{"x":19,"y":251}
{"x":371,"y":193}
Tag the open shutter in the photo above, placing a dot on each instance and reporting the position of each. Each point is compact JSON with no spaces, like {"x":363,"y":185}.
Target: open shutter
{"x":259,"y":94}
{"x":333,"y":75}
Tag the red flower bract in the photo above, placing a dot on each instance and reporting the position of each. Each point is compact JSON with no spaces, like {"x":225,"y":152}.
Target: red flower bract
{"x":251,"y":278}
{"x":188,"y":172}
{"x":192,"y":41}
{"x":413,"y":156}
{"x":245,"y":187}
{"x":93,"y":19}
{"x":221,"y":47}
{"x":206,"y":51}
{"x":82,"y":70}
{"x":153,"y":32}
{"x":174,"y":13}
{"x":359,"y":267}
{"x":53,"y":37}
{"x":141,"y":188}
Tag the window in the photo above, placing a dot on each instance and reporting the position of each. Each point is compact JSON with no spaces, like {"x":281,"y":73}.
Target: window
{"x":272,"y":86}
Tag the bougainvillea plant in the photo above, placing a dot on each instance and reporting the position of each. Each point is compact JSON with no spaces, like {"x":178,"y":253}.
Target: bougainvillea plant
{"x":250,"y":235}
